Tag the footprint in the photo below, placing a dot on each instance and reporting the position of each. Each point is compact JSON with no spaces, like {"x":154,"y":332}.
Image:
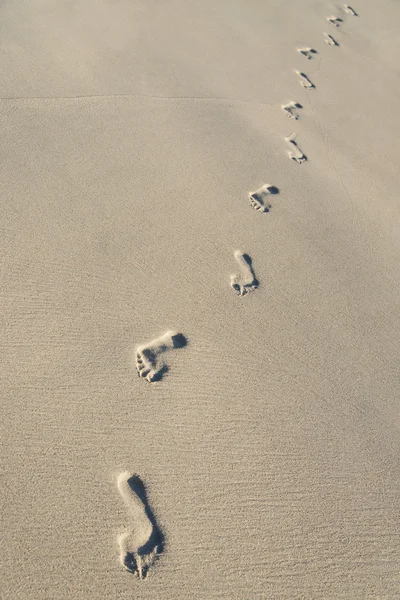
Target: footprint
{"x":305,"y":81}
{"x":148,"y":363}
{"x":307,"y":52}
{"x":290,"y":110}
{"x":259,"y":199}
{"x":330,"y":40}
{"x":349,"y":10}
{"x":334,"y":21}
{"x":295,"y":153}
{"x":246,"y":281}
{"x":141,"y":545}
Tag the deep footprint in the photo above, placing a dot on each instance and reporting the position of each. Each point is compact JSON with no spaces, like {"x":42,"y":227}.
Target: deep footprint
{"x":149,"y":364}
{"x":140,"y":546}
{"x":259,"y":200}
{"x":246,"y":281}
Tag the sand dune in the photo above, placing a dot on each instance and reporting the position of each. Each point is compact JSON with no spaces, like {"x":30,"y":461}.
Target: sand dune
{"x":263,"y":460}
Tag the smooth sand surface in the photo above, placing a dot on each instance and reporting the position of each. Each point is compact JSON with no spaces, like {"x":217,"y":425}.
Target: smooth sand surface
{"x":132,"y":134}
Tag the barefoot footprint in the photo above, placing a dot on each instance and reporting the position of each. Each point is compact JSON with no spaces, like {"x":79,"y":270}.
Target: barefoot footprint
{"x":305,"y":81}
{"x":246,"y":281}
{"x":259,"y":199}
{"x":290,"y":110}
{"x":140,"y":546}
{"x":295,"y":153}
{"x":307,"y":52}
{"x":330,"y":40}
{"x":148,"y":361}
{"x":334,"y":21}
{"x":349,"y":10}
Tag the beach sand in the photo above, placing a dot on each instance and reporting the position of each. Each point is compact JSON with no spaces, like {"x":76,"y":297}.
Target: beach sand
{"x":133,"y":135}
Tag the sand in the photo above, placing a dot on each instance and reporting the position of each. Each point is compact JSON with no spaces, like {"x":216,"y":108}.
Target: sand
{"x":134,"y":136}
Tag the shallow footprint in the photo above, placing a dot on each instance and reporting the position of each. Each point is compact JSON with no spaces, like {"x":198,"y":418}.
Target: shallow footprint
{"x":305,"y":81}
{"x":330,"y":40}
{"x":148,"y":362}
{"x":307,"y":52}
{"x":295,"y":153}
{"x":246,"y":281}
{"x":259,"y":199}
{"x":290,"y":110}
{"x":334,"y":21}
{"x":349,"y":10}
{"x":141,"y":545}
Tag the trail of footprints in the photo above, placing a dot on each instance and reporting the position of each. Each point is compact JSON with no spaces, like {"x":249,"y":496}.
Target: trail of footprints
{"x":291,"y":109}
{"x":142,"y":542}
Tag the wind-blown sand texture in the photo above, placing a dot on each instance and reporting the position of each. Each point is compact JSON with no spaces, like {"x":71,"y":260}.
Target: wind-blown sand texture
{"x":132,"y":135}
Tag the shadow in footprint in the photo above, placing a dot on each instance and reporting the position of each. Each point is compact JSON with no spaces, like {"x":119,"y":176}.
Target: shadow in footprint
{"x":149,"y":365}
{"x":179,"y":340}
{"x":350,"y":11}
{"x":307,"y":52}
{"x":305,"y":81}
{"x":259,"y":199}
{"x":273,"y":190}
{"x":156,"y":539}
{"x":335,"y":20}
{"x":245,"y":281}
{"x":248,"y":260}
{"x":160,"y":374}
